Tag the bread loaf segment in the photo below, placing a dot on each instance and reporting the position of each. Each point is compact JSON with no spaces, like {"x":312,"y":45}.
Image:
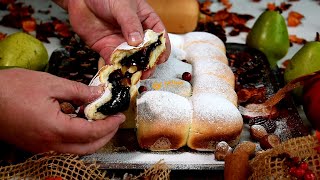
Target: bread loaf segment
{"x":197,"y":51}
{"x":208,"y":83}
{"x":214,"y":119}
{"x":163,"y":120}
{"x":220,"y":70}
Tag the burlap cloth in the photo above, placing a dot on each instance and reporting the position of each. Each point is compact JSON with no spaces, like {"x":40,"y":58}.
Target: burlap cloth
{"x":270,"y":165}
{"x":68,"y":166}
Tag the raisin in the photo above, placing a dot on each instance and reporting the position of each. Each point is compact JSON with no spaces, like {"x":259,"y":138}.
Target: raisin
{"x":268,"y":124}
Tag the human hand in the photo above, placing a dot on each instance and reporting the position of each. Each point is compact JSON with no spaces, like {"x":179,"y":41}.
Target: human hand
{"x":32,"y":120}
{"x":104,"y":24}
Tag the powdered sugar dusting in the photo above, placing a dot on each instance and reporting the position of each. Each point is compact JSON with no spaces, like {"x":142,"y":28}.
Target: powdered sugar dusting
{"x":282,"y":130}
{"x":172,"y":68}
{"x":212,"y":108}
{"x":176,"y":40}
{"x":214,"y":85}
{"x":164,"y":106}
{"x":203,"y":37}
{"x":216,"y":68}
{"x":204,"y":50}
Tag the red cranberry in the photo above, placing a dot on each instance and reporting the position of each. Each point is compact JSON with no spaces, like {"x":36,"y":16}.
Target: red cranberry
{"x":142,"y":89}
{"x":299,"y":173}
{"x":292,"y":170}
{"x":309,"y":175}
{"x":304,"y":166}
{"x":186,"y":76}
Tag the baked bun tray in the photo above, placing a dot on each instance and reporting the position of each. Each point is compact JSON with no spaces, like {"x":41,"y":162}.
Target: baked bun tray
{"x":253,"y":74}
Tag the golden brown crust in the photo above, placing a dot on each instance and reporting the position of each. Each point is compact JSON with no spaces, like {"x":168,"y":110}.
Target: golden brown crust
{"x":175,"y":140}
{"x":208,"y":142}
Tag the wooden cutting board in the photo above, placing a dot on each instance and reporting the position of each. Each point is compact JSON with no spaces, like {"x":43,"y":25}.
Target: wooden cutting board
{"x":179,"y":16}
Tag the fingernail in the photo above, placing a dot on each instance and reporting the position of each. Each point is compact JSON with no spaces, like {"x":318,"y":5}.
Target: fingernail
{"x":135,"y":38}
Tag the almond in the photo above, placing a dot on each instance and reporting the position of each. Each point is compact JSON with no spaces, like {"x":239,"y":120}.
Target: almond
{"x":247,"y":147}
{"x":257,"y":132}
{"x":269,"y":141}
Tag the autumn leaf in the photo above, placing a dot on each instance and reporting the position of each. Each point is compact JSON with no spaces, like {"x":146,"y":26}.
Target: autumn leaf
{"x":294,"y":18}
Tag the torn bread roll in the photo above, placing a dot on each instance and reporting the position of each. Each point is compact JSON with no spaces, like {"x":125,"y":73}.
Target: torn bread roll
{"x":119,"y":78}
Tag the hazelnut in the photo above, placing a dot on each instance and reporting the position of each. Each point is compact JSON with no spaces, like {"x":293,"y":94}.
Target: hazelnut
{"x":67,"y":108}
{"x":269,"y":141}
{"x":257,"y":132}
{"x":222,"y":149}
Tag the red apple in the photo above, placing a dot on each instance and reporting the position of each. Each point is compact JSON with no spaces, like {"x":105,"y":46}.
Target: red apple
{"x":311,"y":101}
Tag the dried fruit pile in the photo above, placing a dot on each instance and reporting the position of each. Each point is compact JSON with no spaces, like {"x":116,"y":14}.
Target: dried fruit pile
{"x":20,"y":16}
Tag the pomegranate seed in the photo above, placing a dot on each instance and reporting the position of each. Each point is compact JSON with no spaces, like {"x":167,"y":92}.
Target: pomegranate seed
{"x":142,"y":89}
{"x":186,"y":76}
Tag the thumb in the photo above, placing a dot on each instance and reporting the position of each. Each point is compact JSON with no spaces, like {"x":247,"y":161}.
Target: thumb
{"x":76,"y":92}
{"x":130,"y":23}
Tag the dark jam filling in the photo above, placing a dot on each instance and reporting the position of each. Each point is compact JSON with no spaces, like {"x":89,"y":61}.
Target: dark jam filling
{"x":120,"y":99}
{"x":141,"y":59}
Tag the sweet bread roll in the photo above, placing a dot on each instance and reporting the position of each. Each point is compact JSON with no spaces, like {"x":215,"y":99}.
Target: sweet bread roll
{"x":214,"y":119}
{"x":177,"y":86}
{"x":208,"y":83}
{"x":197,"y":51}
{"x":120,"y":78}
{"x":215,"y":68}
{"x":203,"y":38}
{"x":163,"y":120}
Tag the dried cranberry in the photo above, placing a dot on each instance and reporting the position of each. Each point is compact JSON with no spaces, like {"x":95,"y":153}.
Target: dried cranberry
{"x":142,"y":89}
{"x":186,"y":76}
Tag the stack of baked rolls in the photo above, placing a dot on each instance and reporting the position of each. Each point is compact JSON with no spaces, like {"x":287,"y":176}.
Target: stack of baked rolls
{"x":190,"y":99}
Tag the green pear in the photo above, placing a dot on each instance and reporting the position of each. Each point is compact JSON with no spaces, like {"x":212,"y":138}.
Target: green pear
{"x":24,"y":51}
{"x":305,"y":61}
{"x":270,"y":35}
